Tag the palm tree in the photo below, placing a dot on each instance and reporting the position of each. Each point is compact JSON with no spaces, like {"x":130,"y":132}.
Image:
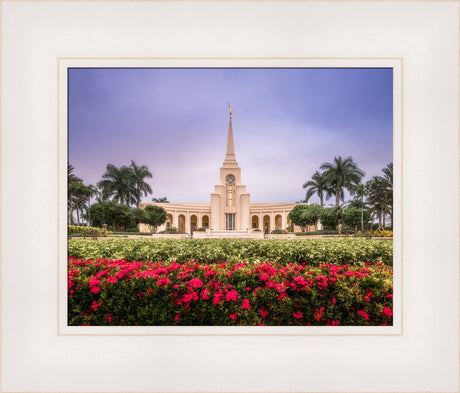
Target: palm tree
{"x":376,"y":189}
{"x":388,"y":176}
{"x":160,"y":200}
{"x":342,"y":174}
{"x":90,"y":191}
{"x":319,"y":186}
{"x":117,"y":183}
{"x":79,"y":197}
{"x":360,"y":192}
{"x":71,"y":180}
{"x":140,"y":173}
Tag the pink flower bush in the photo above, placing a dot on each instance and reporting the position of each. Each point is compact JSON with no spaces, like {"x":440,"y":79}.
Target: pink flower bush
{"x":120,"y":292}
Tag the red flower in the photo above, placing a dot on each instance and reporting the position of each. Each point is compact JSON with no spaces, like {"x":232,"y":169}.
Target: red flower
{"x":322,"y":282}
{"x":318,"y":314}
{"x":363,"y":314}
{"x":177,"y":317}
{"x":94,"y":281}
{"x":264,"y":277}
{"x":297,"y":316}
{"x":163,"y":281}
{"x":369,"y":296}
{"x":246,"y":304}
{"x":109,"y":318}
{"x":196,"y":283}
{"x":111,"y":279}
{"x":95,"y":290}
{"x":263,"y":312}
{"x":231,"y":295}
{"x":217,"y":297}
{"x":122,"y":273}
{"x":205,"y":294}
{"x":388,"y":312}
{"x":233,"y":316}
{"x":95,"y":305}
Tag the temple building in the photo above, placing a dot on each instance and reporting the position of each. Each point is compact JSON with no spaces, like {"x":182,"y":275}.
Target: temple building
{"x":230,"y":208}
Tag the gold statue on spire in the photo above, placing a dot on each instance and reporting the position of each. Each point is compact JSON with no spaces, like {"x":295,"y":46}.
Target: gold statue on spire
{"x":230,"y":109}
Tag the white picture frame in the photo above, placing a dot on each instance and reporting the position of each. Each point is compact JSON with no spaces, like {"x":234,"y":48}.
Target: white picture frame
{"x":419,"y":38}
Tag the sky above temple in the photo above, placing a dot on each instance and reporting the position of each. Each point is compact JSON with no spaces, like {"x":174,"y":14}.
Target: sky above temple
{"x":286,"y":123}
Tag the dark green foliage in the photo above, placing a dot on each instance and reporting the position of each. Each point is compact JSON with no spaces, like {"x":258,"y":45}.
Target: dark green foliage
{"x":352,"y":217}
{"x":155,"y":216}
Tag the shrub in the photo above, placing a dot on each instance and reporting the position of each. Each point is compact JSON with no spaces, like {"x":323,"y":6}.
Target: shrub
{"x":202,"y":229}
{"x":351,"y":251}
{"x":74,"y":229}
{"x":117,"y":292}
{"x":278,"y":232}
{"x":170,"y":230}
{"x":385,"y":233}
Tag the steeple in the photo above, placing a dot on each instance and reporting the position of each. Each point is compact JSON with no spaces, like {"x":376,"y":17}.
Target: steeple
{"x":230,"y":159}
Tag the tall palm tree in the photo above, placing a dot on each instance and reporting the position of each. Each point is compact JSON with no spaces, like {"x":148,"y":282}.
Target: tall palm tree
{"x":341,"y":175}
{"x":377,"y":197}
{"x":71,"y":180}
{"x":117,"y":183}
{"x":317,"y":185}
{"x":360,"y":192}
{"x":90,"y":192}
{"x":388,"y":193}
{"x":79,"y":195}
{"x":139,"y":174}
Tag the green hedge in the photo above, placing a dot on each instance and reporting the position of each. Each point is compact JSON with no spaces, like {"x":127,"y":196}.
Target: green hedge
{"x":73,"y":229}
{"x":108,"y":292}
{"x":312,"y":251}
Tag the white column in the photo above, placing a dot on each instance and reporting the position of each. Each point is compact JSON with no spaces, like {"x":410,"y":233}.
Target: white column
{"x":187,"y":222}
{"x":199,"y":223}
{"x":175,"y":222}
{"x":215,"y":212}
{"x":272,"y":221}
{"x":283,"y":220}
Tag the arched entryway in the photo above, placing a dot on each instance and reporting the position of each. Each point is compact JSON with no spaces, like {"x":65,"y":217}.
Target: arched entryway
{"x":169,"y":221}
{"x":205,"y":221}
{"x":255,"y":222}
{"x":278,"y":222}
{"x":266,"y":224}
{"x":181,"y":223}
{"x":193,"y":223}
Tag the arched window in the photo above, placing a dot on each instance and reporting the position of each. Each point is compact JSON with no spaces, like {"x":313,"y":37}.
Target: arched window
{"x":230,"y":190}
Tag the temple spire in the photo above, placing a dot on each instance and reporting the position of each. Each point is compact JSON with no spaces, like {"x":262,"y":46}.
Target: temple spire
{"x":230,"y":159}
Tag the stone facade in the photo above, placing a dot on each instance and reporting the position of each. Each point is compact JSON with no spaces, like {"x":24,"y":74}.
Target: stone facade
{"x":230,"y":208}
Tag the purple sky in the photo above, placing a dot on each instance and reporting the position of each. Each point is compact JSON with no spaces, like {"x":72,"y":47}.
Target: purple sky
{"x":286,"y":123}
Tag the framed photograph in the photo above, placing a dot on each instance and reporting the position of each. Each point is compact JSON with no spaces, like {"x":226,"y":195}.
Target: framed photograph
{"x":279,"y":269}
{"x":230,"y":118}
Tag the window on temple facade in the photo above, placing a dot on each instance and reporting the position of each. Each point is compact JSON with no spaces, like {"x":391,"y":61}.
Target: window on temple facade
{"x":230,"y":222}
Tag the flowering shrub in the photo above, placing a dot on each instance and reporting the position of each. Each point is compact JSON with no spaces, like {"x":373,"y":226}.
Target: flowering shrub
{"x":384,"y":233}
{"x":352,"y":251}
{"x":72,"y":229}
{"x":118,"y":292}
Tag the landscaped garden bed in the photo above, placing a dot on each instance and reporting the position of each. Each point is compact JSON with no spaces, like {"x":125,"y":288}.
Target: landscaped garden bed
{"x":145,"y":293}
{"x":353,"y":251}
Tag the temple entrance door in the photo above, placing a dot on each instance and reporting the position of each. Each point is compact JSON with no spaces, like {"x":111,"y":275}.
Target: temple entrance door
{"x":193,"y":223}
{"x":266,"y":224}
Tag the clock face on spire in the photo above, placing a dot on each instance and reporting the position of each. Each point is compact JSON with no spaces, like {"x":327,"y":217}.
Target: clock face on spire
{"x":230,"y":179}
